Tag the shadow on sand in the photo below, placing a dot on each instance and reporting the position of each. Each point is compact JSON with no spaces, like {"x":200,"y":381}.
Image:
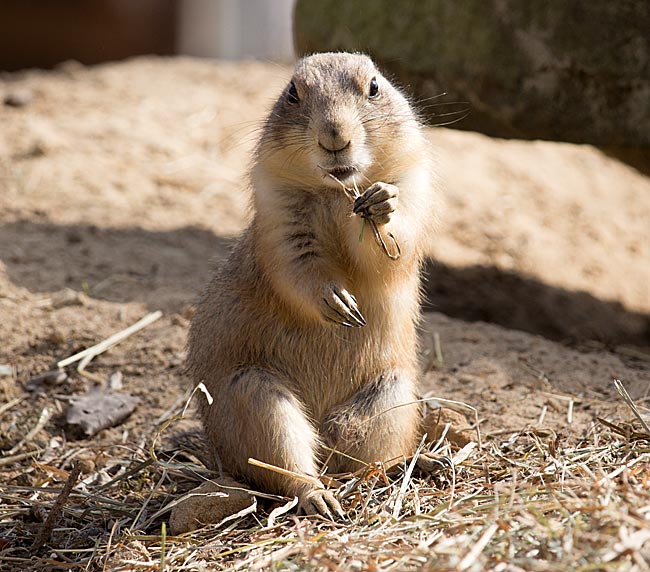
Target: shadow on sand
{"x":167,"y":270}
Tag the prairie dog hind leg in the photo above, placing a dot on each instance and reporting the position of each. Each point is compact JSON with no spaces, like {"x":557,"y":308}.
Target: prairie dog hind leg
{"x":256,"y":415}
{"x":378,"y":423}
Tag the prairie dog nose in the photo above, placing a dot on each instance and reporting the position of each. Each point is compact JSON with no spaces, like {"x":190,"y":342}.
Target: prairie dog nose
{"x":333,"y":138}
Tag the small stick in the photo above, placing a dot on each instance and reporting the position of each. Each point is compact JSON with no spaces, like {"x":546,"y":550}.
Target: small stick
{"x":438,"y":348}
{"x":42,"y":420}
{"x":353,"y":194}
{"x":542,"y":415}
{"x":620,"y":388}
{"x":380,"y":241}
{"x":55,"y":512}
{"x":13,"y":458}
{"x":163,"y":537}
{"x":479,"y":546}
{"x":89,"y":353}
{"x":11,"y":403}
{"x":304,"y":478}
{"x":407,"y":479}
{"x":110,"y":541}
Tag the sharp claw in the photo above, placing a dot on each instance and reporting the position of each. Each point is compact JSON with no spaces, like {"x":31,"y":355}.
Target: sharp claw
{"x":434,"y":464}
{"x":319,"y":504}
{"x":359,"y":323}
{"x":359,"y":316}
{"x":323,"y":504}
{"x":336,"y":318}
{"x":349,"y":315}
{"x":334,"y":506}
{"x":342,"y":321}
{"x":354,"y":310}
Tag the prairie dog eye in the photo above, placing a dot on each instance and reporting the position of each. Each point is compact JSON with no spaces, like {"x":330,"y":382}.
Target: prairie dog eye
{"x":373,"y":92}
{"x":292,"y":94}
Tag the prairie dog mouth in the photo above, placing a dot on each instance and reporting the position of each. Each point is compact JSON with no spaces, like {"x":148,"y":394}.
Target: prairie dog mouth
{"x":342,"y":173}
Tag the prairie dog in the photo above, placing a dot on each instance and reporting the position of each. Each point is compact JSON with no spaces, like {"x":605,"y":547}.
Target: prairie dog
{"x":306,"y":336}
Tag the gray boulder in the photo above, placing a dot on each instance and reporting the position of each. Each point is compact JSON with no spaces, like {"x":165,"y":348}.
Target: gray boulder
{"x":574,"y":71}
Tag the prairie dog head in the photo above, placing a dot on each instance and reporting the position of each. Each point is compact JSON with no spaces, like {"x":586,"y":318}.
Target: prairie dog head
{"x":338,"y":116}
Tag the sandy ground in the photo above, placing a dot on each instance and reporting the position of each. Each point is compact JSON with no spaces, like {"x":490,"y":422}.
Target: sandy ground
{"x":120,"y":184}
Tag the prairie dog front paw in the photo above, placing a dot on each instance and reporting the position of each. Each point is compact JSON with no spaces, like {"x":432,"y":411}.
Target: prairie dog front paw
{"x":340,"y":307}
{"x":377,"y":203}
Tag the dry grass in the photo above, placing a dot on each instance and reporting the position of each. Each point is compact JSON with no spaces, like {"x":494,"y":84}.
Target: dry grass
{"x":526,"y":501}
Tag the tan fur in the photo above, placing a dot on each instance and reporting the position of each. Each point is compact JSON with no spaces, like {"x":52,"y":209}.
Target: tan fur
{"x":285,"y":380}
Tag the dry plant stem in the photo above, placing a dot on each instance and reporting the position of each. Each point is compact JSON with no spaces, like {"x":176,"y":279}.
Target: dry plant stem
{"x":480,"y":545}
{"x":337,"y":452}
{"x":441,"y":400}
{"x":279,"y":511}
{"x":42,"y":420}
{"x":303,"y":478}
{"x":625,"y":431}
{"x":110,"y":542}
{"x":407,"y":478}
{"x":352,"y":194}
{"x":468,"y":407}
{"x":88,"y":354}
{"x":13,"y":458}
{"x":620,"y":388}
{"x":53,"y":516}
{"x":438,"y":348}
{"x":479,"y":524}
{"x":11,"y":403}
{"x":163,"y":536}
{"x":441,"y":439}
{"x":154,"y":490}
{"x":542,"y":415}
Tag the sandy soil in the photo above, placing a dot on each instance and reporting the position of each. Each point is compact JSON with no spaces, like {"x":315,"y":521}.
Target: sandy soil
{"x":120,"y":183}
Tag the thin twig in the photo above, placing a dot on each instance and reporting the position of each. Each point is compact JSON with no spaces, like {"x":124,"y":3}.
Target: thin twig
{"x":55,"y":512}
{"x":42,"y":420}
{"x":163,"y":536}
{"x":620,"y":388}
{"x":13,"y":458}
{"x":89,"y":353}
{"x":110,"y":542}
{"x":407,"y":478}
{"x":304,"y":478}
{"x":10,"y":404}
{"x":438,"y":348}
{"x":480,"y":545}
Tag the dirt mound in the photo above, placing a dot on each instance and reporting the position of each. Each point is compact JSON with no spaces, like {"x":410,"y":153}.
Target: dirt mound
{"x":122,"y":183}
